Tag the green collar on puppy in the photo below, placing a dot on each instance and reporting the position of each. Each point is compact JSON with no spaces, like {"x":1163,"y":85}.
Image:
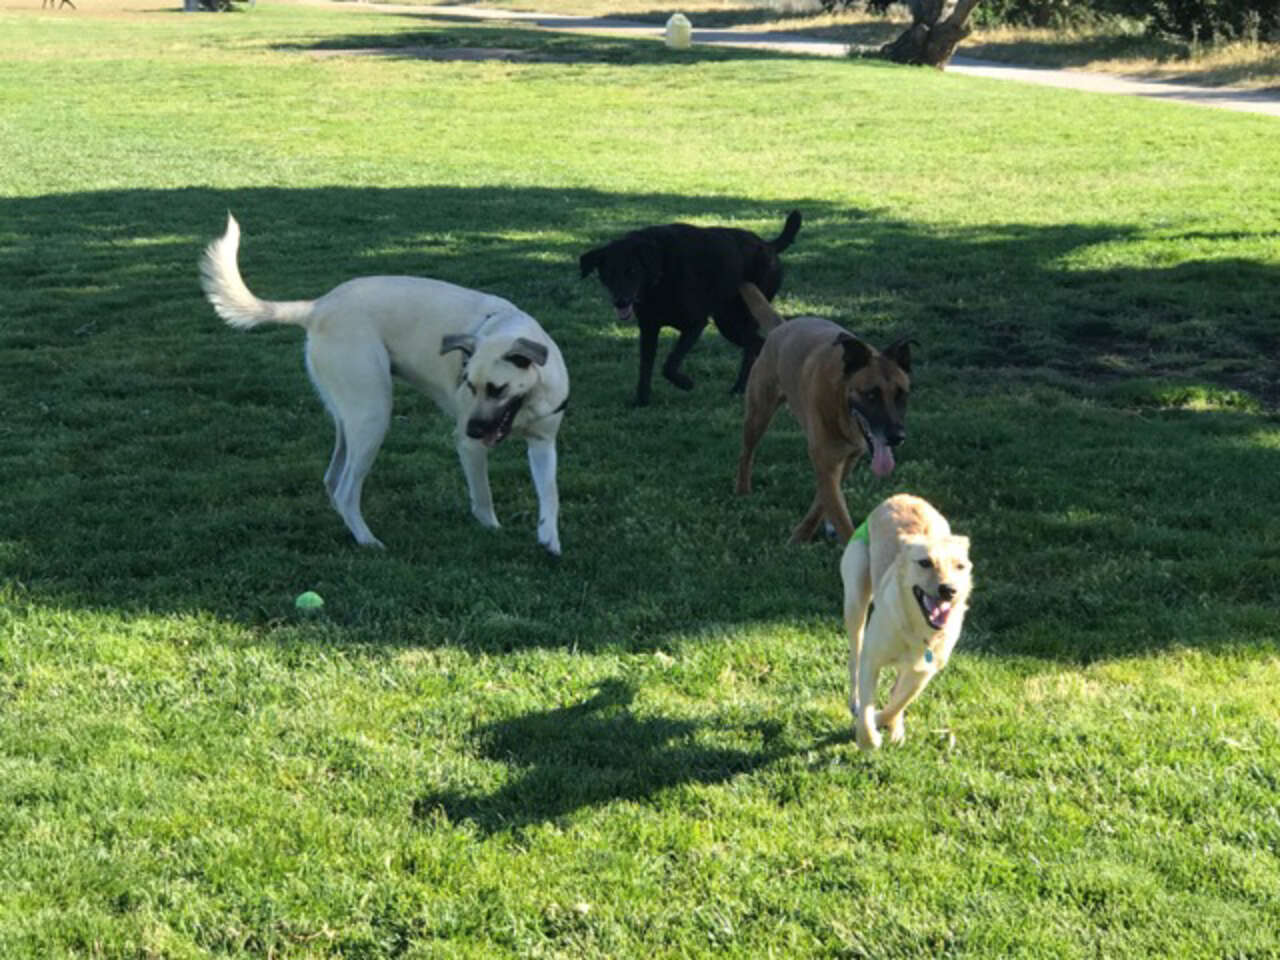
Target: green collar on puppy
{"x":861,"y":533}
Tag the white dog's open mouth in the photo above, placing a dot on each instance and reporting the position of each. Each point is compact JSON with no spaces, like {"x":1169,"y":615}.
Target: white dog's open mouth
{"x":935,"y":610}
{"x":493,"y":432}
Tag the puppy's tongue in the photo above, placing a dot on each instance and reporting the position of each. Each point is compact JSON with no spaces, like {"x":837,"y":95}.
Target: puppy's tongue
{"x":881,"y":458}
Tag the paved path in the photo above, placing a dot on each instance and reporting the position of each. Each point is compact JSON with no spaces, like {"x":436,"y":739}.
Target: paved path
{"x":1226,"y":98}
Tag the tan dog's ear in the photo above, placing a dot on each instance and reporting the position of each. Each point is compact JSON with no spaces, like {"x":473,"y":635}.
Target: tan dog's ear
{"x":458,"y":341}
{"x":524,"y":352}
{"x":900,"y":352}
{"x":857,"y":353}
{"x":759,"y":307}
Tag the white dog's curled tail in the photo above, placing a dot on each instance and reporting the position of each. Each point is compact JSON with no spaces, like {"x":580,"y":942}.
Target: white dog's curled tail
{"x":233,"y":301}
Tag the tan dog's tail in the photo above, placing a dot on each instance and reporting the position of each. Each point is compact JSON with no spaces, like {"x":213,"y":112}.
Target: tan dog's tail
{"x":760,"y":308}
{"x":226,"y":290}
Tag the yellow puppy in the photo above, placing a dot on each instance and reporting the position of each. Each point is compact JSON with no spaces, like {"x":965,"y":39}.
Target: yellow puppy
{"x":906,"y":562}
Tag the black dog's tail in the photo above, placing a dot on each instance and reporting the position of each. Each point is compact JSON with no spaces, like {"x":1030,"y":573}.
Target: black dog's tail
{"x":788,"y":234}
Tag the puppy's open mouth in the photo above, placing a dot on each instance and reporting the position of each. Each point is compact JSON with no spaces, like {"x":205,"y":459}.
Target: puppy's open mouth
{"x":936,"y":611}
{"x":493,"y":432}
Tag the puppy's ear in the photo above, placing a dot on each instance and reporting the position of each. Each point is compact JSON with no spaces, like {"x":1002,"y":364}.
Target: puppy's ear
{"x":458,"y":341}
{"x":857,"y":353}
{"x":590,"y":260}
{"x":961,"y":543}
{"x":524,"y":352}
{"x":900,"y":352}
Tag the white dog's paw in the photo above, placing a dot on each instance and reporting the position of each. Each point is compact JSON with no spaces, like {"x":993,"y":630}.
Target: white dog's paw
{"x":549,"y":537}
{"x":487,"y":518}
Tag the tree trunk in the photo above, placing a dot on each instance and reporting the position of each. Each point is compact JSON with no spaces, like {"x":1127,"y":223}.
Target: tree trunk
{"x":927,"y":42}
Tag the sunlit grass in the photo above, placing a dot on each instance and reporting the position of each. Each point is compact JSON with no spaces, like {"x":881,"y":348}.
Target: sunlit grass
{"x":641,"y":748}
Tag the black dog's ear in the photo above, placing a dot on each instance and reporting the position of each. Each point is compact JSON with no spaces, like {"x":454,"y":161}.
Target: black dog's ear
{"x":900,"y":352}
{"x":524,"y":352}
{"x":590,"y":260}
{"x":857,"y":354}
{"x":458,"y":341}
{"x":650,"y":256}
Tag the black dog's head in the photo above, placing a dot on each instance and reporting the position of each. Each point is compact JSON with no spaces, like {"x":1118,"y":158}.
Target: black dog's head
{"x":627,"y":266}
{"x":877,"y":384}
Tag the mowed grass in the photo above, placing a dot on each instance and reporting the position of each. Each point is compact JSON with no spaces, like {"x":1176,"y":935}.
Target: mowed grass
{"x":641,"y":748}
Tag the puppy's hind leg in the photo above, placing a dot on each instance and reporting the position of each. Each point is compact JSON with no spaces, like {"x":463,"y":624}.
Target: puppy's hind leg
{"x":855,"y":574}
{"x":542,"y":465}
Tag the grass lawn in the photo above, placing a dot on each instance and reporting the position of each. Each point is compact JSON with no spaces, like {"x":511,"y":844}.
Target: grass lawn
{"x":641,"y":749}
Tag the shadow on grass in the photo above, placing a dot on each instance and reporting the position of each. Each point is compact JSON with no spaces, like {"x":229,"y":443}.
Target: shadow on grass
{"x":463,"y":38}
{"x":594,"y":753}
{"x":157,"y":463}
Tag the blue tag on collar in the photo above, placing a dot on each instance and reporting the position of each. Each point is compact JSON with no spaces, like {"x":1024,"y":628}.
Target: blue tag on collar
{"x":928,"y":655}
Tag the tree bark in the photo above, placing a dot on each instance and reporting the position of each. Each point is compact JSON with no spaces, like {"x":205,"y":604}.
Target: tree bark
{"x":927,"y":42}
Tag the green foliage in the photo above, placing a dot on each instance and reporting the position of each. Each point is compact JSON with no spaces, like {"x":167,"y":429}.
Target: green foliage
{"x":641,"y":749}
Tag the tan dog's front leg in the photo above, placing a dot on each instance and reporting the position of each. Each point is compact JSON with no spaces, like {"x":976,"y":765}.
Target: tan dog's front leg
{"x":834,"y":508}
{"x":807,"y":528}
{"x":906,"y":688}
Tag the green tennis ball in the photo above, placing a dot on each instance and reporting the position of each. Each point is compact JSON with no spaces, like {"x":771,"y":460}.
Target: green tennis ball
{"x":309,"y":602}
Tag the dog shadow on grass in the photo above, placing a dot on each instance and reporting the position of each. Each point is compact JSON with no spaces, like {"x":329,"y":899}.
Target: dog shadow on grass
{"x":595,"y":752}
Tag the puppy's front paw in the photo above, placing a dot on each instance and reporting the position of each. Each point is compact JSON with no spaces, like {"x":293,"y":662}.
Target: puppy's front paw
{"x":868,"y":737}
{"x":897,"y":729}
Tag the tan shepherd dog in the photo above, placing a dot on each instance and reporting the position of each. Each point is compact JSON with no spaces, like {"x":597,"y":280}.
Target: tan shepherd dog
{"x":906,"y":562}
{"x":850,"y":399}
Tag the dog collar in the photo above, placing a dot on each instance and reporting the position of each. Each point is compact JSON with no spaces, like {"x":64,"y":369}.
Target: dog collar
{"x":862,"y":533}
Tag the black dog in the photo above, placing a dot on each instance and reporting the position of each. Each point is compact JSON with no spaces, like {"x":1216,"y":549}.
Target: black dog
{"x":677,"y":275}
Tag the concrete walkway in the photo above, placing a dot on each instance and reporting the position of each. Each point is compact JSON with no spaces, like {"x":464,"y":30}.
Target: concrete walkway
{"x":1225,"y":98}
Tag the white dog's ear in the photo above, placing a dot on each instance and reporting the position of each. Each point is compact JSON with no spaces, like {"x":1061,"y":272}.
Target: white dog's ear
{"x":524,"y":352}
{"x":458,"y":341}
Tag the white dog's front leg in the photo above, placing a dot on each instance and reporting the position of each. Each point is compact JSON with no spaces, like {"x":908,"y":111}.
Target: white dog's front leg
{"x":908,"y":686}
{"x":475,"y":467}
{"x":542,"y":465}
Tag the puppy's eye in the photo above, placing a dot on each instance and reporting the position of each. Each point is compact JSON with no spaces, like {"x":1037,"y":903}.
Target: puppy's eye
{"x":926,"y":563}
{"x":494,"y":392}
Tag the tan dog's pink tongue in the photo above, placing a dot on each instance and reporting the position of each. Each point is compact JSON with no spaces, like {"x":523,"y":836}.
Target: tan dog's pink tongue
{"x":881,"y":459}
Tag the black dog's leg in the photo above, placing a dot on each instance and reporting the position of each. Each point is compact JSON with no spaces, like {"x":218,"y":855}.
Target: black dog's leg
{"x":749,"y":354}
{"x":671,"y":368}
{"x":648,"y":350}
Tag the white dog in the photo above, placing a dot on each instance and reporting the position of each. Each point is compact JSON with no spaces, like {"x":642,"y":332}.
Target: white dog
{"x":905,"y":560}
{"x":485,"y":363}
